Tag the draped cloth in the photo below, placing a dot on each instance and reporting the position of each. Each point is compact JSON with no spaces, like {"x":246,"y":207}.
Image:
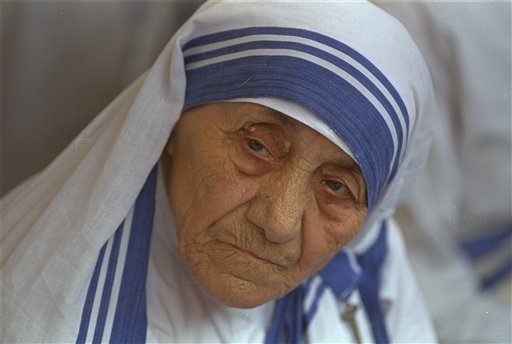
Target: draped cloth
{"x":347,"y":70}
{"x":115,"y":307}
{"x":127,"y":313}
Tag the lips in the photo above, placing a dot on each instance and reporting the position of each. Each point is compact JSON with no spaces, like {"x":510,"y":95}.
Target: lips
{"x":251,"y":243}
{"x":278,"y":261}
{"x":257,"y":257}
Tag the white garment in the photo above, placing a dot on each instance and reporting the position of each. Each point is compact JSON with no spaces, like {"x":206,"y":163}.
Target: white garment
{"x":55,"y":224}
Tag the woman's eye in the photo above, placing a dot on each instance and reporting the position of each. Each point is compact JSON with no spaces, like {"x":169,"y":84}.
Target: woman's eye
{"x":258,"y":147}
{"x":336,"y":186}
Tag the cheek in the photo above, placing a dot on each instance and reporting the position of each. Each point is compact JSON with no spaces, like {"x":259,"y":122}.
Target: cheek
{"x":323,"y":238}
{"x":204,"y":189}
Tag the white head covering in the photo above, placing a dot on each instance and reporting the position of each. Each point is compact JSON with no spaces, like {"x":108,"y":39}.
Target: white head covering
{"x":56,"y":223}
{"x":370,"y":106}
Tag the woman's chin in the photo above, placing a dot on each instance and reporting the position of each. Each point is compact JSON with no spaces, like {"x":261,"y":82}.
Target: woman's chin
{"x":238,"y":293}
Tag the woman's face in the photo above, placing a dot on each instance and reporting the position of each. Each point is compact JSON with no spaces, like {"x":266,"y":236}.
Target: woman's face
{"x":261,"y":201}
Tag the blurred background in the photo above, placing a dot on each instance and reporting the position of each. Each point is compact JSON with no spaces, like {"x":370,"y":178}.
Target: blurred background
{"x":62,"y":62}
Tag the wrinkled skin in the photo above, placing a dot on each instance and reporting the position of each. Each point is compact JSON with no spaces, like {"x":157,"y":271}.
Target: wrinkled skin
{"x":261,"y":201}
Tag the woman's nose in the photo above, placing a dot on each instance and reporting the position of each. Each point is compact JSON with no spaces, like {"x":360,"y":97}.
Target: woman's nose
{"x":278,"y":208}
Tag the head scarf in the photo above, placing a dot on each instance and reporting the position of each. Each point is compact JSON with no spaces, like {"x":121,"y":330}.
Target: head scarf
{"x":348,"y":70}
{"x":365,"y":102}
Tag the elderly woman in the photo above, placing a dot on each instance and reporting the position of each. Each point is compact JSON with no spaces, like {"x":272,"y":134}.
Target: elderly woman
{"x":239,"y":191}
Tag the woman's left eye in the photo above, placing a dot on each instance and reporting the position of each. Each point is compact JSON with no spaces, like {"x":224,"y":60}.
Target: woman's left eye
{"x":336,"y":186}
{"x":257,"y":147}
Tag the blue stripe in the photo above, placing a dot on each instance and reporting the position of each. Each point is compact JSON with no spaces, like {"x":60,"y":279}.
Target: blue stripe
{"x":275,"y":333}
{"x":288,"y":323}
{"x":314,"y":306}
{"x":340,"y":275}
{"x":89,"y":299}
{"x":107,"y":287}
{"x":349,"y":114}
{"x":130,"y":320}
{"x":285,"y":31}
{"x":488,"y":242}
{"x":504,"y":271}
{"x":372,"y":262}
{"x":351,"y":70}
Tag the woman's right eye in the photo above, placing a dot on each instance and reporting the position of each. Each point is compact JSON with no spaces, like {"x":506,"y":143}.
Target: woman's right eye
{"x":258,"y":147}
{"x":337,"y":187}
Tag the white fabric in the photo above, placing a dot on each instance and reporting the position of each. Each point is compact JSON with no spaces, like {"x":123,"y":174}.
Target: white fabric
{"x":55,"y":223}
{"x":466,"y":188}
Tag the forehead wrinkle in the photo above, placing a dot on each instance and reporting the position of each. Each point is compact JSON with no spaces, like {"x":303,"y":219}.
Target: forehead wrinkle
{"x":280,"y":117}
{"x":343,"y":159}
{"x":333,"y":154}
{"x":285,"y":120}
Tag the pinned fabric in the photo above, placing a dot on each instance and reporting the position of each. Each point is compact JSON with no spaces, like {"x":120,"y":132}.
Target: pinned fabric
{"x":371,"y":280}
{"x":342,"y":275}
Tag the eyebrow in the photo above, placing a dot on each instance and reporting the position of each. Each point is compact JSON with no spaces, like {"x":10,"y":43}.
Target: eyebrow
{"x":280,"y":117}
{"x":345,"y":160}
